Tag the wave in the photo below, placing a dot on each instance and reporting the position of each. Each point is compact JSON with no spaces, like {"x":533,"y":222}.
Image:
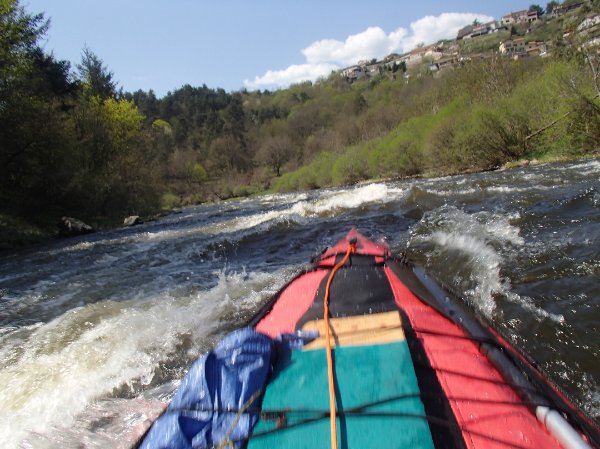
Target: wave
{"x":469,"y":250}
{"x":586,"y":168}
{"x":299,"y":208}
{"x":60,"y":368}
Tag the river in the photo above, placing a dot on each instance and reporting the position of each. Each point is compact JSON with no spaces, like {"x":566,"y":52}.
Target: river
{"x":96,"y":331}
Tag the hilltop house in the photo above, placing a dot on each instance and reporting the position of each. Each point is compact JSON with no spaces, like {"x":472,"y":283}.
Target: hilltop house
{"x":433,"y":52}
{"x":471,"y":31}
{"x":362,"y":69}
{"x":373,"y":69}
{"x":519,"y":48}
{"x":465,"y":32}
{"x":391,"y":60}
{"x":353,"y":73}
{"x":517,"y":17}
{"x":416,"y":56}
{"x":444,"y":64}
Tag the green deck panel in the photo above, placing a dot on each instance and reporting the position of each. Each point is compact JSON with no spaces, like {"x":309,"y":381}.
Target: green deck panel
{"x":365,"y":375}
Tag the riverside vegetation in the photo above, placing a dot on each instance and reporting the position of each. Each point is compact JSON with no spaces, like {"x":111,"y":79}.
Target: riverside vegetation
{"x":72,"y":143}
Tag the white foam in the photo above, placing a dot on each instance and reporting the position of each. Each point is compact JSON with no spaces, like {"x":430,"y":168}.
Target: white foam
{"x":278,"y":198}
{"x":485,"y":267}
{"x":328,"y":203}
{"x":331,"y":203}
{"x":586,"y":168}
{"x":478,"y":190}
{"x":512,"y":189}
{"x":63,"y":366}
{"x":486,"y":240}
{"x":592,"y":393}
{"x":527,"y":303}
{"x":479,"y":237}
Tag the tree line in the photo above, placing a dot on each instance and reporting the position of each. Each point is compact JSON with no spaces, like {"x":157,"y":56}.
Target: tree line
{"x":72,"y":142}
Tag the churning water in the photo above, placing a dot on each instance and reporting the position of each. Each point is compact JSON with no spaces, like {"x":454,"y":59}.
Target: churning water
{"x":95,"y":332}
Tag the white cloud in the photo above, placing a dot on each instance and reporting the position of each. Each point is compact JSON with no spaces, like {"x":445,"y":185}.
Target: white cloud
{"x":330,"y":54}
{"x":433,"y":28}
{"x":371,"y":42}
{"x":293,"y":74}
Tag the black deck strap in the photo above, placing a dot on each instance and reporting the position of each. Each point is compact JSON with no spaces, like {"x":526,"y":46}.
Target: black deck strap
{"x":355,"y":259}
{"x":358,"y":289}
{"x":524,"y":377}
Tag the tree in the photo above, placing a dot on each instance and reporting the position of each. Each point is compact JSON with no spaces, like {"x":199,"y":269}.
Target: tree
{"x":96,"y":78}
{"x":123,"y":120}
{"x":183,"y":166}
{"x":147,"y":103}
{"x":275,"y":152}
{"x":19,"y":33}
{"x":34,"y":95}
{"x":536,"y":8}
{"x":115,"y":173}
{"x":227,"y":154}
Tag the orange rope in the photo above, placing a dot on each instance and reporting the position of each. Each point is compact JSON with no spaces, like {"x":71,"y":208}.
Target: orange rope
{"x":330,"y":375}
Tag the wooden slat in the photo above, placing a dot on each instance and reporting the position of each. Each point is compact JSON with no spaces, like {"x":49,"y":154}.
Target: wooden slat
{"x":357,"y":330}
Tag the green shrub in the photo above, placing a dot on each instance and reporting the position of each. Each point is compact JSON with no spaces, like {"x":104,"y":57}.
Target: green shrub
{"x":349,"y":168}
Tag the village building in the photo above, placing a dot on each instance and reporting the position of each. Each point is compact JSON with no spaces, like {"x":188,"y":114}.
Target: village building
{"x":391,"y":57}
{"x":445,"y":64}
{"x":519,"y":48}
{"x":353,"y":73}
{"x":536,"y":48}
{"x":532,"y":16}
{"x":480,"y":30}
{"x":416,"y":56}
{"x":395,"y":60}
{"x":465,"y":32}
{"x":373,"y":69}
{"x":435,"y":51}
{"x":518,"y":17}
{"x":512,"y":47}
{"x":514,"y":18}
{"x":471,"y":31}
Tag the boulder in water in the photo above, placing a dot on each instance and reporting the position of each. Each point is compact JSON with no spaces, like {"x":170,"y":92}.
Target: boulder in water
{"x":132,"y":221}
{"x":69,"y":227}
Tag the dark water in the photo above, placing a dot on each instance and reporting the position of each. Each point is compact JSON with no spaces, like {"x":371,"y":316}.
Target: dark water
{"x":95,"y":332}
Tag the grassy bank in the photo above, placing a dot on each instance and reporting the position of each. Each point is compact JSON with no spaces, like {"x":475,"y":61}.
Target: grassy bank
{"x":542,"y":110}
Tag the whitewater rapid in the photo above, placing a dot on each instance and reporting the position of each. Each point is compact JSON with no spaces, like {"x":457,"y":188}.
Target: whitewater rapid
{"x":96,"y":331}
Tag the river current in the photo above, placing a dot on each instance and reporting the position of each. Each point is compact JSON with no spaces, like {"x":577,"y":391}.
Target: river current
{"x":97,"y":331}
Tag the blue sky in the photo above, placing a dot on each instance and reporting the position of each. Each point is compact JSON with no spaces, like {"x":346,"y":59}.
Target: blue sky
{"x":253,"y":44}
